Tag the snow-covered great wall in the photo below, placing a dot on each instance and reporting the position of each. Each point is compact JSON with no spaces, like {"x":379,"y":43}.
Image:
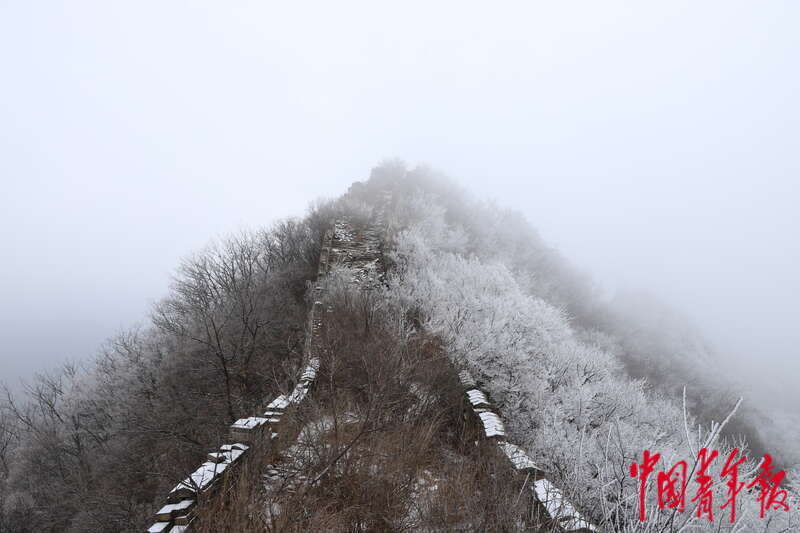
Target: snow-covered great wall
{"x":358,"y":253}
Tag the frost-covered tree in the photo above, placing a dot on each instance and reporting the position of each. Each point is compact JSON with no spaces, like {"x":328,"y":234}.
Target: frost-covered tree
{"x":561,"y":379}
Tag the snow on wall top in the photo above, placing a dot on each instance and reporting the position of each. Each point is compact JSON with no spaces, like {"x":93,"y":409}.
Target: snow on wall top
{"x":357,"y":249}
{"x":517,"y":456}
{"x":557,"y":506}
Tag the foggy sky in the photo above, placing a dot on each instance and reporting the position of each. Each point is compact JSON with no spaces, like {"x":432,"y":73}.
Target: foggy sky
{"x":655,"y":146}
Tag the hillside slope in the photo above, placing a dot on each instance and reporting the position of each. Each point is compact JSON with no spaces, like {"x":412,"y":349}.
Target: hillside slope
{"x":386,"y":438}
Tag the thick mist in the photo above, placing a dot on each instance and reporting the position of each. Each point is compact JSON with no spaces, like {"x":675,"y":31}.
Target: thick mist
{"x":654,"y":146}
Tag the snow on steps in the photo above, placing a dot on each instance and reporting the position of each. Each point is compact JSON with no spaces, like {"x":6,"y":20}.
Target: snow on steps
{"x":358,"y":252}
{"x":177,"y":515}
{"x":560,"y":510}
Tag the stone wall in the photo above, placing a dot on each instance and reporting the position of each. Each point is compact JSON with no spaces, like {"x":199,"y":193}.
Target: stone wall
{"x":359,"y":250}
{"x":560,"y":512}
{"x":345,"y":245}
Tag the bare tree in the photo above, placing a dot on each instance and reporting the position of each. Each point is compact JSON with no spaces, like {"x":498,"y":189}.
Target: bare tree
{"x":231,"y":306}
